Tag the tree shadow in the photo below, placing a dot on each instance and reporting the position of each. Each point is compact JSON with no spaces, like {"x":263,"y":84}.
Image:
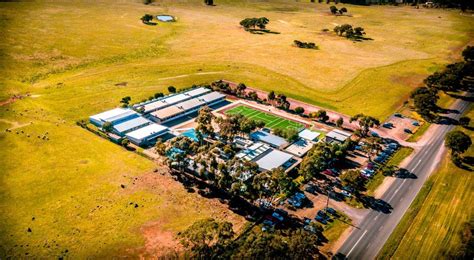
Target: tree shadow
{"x":375,"y":204}
{"x":262,"y":31}
{"x":403,"y":173}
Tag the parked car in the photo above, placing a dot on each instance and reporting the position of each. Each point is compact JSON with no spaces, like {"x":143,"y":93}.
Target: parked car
{"x":388,"y":125}
{"x":321,"y":219}
{"x":398,"y":115}
{"x":346,"y":194}
{"x":408,"y":131}
{"x":331,"y":211}
{"x":415,"y":123}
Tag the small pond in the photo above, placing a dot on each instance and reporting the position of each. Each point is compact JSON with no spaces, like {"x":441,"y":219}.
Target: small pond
{"x":165,"y":18}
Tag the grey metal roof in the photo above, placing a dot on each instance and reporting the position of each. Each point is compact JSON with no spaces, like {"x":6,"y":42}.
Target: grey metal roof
{"x":131,"y":124}
{"x":253,"y":152}
{"x":112,"y":115}
{"x":273,"y":159}
{"x":338,"y":135}
{"x":300,"y":147}
{"x":147,"y":131}
{"x":197,"y":92}
{"x":190,"y":104}
{"x":308,"y":134}
{"x":268,"y":138}
{"x":211,"y":97}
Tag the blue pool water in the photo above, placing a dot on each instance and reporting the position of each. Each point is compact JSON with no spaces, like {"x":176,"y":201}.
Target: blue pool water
{"x":191,"y":134}
{"x":165,"y":18}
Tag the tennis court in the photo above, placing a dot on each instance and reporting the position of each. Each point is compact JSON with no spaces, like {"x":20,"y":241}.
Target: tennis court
{"x":271,"y":121}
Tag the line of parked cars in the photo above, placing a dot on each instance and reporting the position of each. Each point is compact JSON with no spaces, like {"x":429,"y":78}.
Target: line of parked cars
{"x":386,"y":153}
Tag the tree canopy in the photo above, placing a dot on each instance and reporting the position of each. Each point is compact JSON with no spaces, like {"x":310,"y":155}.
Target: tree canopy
{"x":458,"y":142}
{"x":365,"y":123}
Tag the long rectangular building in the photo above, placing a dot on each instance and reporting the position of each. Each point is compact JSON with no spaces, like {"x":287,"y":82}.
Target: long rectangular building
{"x":186,"y":107}
{"x":114,"y":116}
{"x":147,"y":134}
{"x":170,"y":100}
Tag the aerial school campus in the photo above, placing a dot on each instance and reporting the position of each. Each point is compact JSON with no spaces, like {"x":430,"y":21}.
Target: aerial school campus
{"x":236,"y":129}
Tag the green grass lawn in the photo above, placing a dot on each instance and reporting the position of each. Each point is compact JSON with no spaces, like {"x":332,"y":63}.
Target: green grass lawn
{"x":431,"y":227}
{"x":397,"y":158}
{"x":271,"y":121}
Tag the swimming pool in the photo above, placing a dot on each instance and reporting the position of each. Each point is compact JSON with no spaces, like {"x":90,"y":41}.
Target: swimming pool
{"x":165,"y":18}
{"x":191,"y":134}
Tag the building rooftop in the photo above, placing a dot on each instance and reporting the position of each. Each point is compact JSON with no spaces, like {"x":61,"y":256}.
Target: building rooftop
{"x":154,"y":106}
{"x":309,"y":135}
{"x":176,"y":98}
{"x":114,"y":114}
{"x":130,"y":124}
{"x":253,"y":152}
{"x":300,"y":147}
{"x":197,"y":92}
{"x":190,"y":104}
{"x":338,"y":135}
{"x":167,"y":112}
{"x":147,"y":131}
{"x":274,"y":159}
{"x":211,"y":97}
{"x":268,"y":138}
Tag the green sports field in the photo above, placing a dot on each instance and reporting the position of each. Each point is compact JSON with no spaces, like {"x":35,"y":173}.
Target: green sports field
{"x":271,"y":121}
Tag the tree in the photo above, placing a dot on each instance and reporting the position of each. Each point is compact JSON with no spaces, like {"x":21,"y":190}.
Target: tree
{"x":209,"y":2}
{"x":262,"y":22}
{"x":352,"y":179}
{"x":372,"y":146}
{"x":147,"y":18}
{"x":206,"y":237}
{"x":299,"y":110}
{"x":339,"y":122}
{"x":158,"y":95}
{"x":321,"y":115}
{"x":464,"y":121}
{"x":125,"y":142}
{"x":333,"y":9}
{"x":271,"y":95}
{"x":125,"y":101}
{"x":342,"y":10}
{"x":107,"y":127}
{"x":365,"y":123}
{"x":458,"y":142}
{"x":253,"y":95}
{"x":468,"y":53}
{"x":172,"y":89}
{"x":240,"y":89}
{"x":204,"y":121}
{"x":160,"y":147}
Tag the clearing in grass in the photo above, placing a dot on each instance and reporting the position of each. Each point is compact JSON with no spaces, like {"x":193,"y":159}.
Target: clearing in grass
{"x":271,"y":121}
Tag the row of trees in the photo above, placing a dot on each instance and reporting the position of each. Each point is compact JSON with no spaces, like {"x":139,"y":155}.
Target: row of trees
{"x":353,"y":33}
{"x":212,"y":239}
{"x":451,"y":79}
{"x":305,"y":45}
{"x":254,"y":23}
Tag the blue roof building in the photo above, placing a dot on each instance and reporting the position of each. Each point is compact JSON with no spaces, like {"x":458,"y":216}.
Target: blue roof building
{"x":271,"y":139}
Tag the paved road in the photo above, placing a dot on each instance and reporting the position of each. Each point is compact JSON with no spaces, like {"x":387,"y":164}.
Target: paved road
{"x":368,"y":239}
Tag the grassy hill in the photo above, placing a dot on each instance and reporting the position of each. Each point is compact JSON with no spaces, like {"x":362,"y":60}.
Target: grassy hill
{"x":70,"y":57}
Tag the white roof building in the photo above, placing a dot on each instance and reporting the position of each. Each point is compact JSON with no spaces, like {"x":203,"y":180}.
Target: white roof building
{"x":146,"y":134}
{"x":113,"y":116}
{"x":309,"y":135}
{"x":300,"y":147}
{"x":274,"y":159}
{"x":337,"y":136}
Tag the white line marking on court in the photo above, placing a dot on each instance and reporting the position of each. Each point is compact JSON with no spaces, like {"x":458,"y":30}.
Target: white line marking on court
{"x":356,"y":243}
{"x":376,"y":217}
